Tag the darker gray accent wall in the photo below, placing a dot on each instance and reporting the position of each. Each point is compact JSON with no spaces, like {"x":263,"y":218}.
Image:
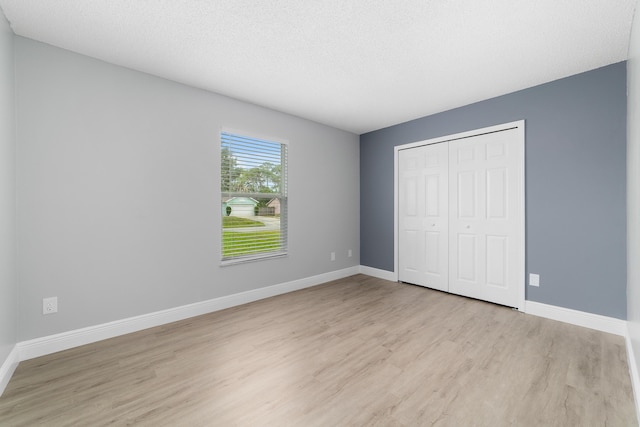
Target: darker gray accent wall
{"x":575,"y":184}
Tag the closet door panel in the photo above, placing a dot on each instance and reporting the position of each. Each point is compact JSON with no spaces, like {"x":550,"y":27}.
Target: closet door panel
{"x":485,"y":171}
{"x":496,"y":260}
{"x":423,"y":216}
{"x":467,"y":258}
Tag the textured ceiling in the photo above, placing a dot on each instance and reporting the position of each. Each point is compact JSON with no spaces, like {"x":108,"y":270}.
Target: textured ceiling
{"x":356,"y":65}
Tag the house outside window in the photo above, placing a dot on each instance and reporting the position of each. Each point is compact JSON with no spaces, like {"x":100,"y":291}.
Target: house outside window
{"x":253,"y":198}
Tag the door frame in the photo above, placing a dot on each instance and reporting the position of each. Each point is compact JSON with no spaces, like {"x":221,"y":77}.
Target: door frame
{"x":519,"y":126}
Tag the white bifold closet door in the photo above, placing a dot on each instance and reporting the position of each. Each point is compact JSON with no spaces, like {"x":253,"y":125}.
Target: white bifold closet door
{"x":459,"y":214}
{"x":424,"y":215}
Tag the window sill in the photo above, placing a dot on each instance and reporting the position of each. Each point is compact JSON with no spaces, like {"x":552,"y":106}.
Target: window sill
{"x":252,"y":258}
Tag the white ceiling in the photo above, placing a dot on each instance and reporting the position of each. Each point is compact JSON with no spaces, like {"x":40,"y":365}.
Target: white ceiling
{"x":357,"y":65}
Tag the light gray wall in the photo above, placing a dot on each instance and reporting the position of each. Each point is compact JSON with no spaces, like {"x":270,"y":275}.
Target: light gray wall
{"x":575,"y":188}
{"x":8,"y":286}
{"x":118,"y":192}
{"x":633,"y":191}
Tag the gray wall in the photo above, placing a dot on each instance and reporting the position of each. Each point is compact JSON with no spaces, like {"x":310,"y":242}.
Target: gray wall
{"x":575,"y":185}
{"x":633,"y":192}
{"x":8,"y":298}
{"x":118,"y":192}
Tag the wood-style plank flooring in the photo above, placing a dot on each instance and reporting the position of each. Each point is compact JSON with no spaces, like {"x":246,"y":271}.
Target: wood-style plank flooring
{"x":354,"y":352}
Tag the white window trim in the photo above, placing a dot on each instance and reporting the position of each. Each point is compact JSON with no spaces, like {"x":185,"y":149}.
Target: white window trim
{"x":243,"y":259}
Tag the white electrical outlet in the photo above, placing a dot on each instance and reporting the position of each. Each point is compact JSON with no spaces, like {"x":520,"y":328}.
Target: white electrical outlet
{"x":349,"y":253}
{"x":534,"y":279}
{"x":333,"y":256}
{"x":50,"y":305}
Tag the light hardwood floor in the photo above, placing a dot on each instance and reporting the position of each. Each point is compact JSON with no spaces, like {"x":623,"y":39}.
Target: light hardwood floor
{"x":358,"y":351}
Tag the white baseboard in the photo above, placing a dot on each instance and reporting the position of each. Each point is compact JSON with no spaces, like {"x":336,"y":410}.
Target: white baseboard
{"x":8,"y":367}
{"x":66,"y":340}
{"x":380,"y":274}
{"x":53,"y":343}
{"x":580,"y":318}
{"x":633,"y":370}
{"x":600,"y":323}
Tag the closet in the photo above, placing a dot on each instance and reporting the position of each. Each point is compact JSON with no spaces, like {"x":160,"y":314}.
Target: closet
{"x":460,"y":214}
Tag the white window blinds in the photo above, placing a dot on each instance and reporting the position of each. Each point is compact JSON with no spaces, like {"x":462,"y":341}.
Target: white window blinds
{"x":254,"y":198}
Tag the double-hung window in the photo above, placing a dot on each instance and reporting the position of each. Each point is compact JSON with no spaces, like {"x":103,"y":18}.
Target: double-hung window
{"x":254,"y":198}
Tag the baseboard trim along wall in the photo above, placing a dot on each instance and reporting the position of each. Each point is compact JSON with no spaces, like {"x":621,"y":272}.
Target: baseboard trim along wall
{"x":380,"y":274}
{"x":633,"y":371}
{"x":8,"y":367}
{"x":65,"y":340}
{"x":53,"y":343}
{"x":580,"y":318}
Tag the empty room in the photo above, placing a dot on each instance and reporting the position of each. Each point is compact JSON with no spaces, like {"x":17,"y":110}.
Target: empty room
{"x":323,"y":213}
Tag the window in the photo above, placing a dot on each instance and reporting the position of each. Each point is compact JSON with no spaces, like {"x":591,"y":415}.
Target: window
{"x":254,"y":198}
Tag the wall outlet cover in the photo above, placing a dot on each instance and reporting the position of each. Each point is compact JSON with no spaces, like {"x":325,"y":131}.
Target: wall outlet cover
{"x":534,"y":279}
{"x":50,"y":305}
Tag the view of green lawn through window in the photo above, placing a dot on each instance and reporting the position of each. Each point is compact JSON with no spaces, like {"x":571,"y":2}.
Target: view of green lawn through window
{"x":254,"y":202}
{"x":255,"y":240}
